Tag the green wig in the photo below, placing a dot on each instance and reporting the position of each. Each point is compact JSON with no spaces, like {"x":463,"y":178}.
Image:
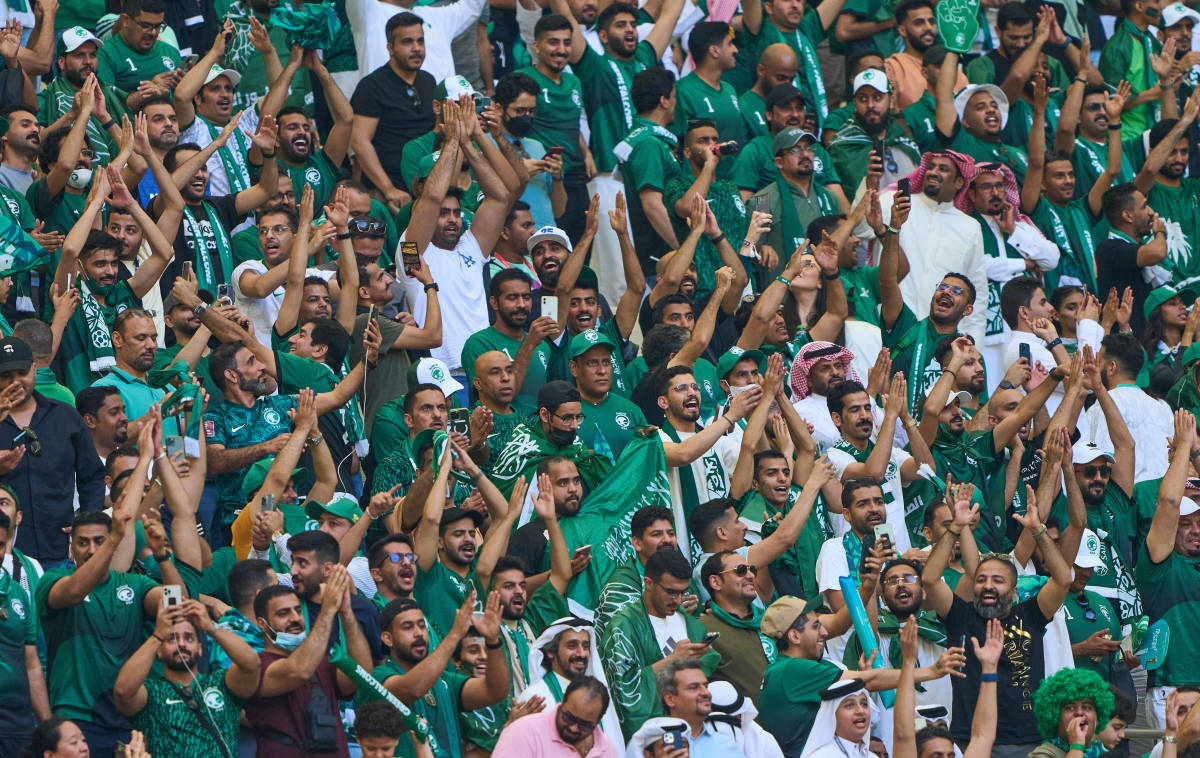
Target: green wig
{"x":1069,"y":686}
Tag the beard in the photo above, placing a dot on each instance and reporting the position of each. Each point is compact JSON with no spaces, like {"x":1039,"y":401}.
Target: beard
{"x":260,"y":387}
{"x":998,"y":610}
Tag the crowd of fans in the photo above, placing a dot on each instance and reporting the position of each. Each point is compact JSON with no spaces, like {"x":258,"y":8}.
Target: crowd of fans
{"x":573,"y":378}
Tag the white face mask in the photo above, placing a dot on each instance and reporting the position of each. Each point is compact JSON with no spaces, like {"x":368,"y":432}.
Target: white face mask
{"x":735,"y":391}
{"x":80,"y":178}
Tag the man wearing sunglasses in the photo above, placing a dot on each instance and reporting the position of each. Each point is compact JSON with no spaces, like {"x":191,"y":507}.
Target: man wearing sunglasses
{"x":393,"y":566}
{"x":901,"y":597}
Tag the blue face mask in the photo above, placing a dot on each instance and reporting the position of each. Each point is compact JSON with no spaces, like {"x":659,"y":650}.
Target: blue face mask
{"x":287,"y":640}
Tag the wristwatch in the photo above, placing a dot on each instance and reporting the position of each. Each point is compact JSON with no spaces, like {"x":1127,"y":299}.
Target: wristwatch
{"x":1006,"y":385}
{"x":432,"y":286}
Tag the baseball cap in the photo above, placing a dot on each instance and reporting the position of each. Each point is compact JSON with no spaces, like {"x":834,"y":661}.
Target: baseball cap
{"x":1187,"y":506}
{"x":75,"y":36}
{"x":1089,"y":551}
{"x":789,"y":138}
{"x":549,"y":233}
{"x":432,"y":371}
{"x":735,"y":354}
{"x":257,"y":474}
{"x":453,"y":87}
{"x":961,"y":396}
{"x":1176,"y":12}
{"x":216,"y":71}
{"x":586,"y":340}
{"x":343,"y":506}
{"x":781,"y":614}
{"x":1088,"y":452}
{"x":784,"y":93}
{"x":964,"y":97}
{"x":423,"y":440}
{"x":1192,"y":354}
{"x":454,"y":513}
{"x":1160,"y":295}
{"x":15,"y":355}
{"x":873,"y":78}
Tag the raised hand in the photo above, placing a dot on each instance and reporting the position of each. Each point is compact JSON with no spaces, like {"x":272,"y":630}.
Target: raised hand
{"x":617,"y":217}
{"x":544,"y":503}
{"x":264,"y":138}
{"x":488,"y":625}
{"x":464,"y":616}
{"x":1114,"y":106}
{"x":822,"y":472}
{"x":591,"y":219}
{"x":1031,"y":520}
{"x":989,"y":652}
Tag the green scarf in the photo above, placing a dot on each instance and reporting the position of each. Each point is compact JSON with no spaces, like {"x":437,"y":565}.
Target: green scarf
{"x":991,"y":248}
{"x":643,"y":129}
{"x":234,"y":163}
{"x":206,"y":273}
{"x":556,"y":690}
{"x":923,"y":338}
{"x":710,"y":464}
{"x":97,"y":317}
{"x":794,"y":232}
{"x":370,"y":686}
{"x":811,"y":68}
{"x":1094,"y":750}
{"x":929,"y":627}
{"x":528,"y":446}
{"x":1076,"y":242}
{"x":854,"y":554}
{"x":753,"y":623}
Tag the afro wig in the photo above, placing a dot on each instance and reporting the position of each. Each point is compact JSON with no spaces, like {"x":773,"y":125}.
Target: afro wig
{"x":1069,"y":686}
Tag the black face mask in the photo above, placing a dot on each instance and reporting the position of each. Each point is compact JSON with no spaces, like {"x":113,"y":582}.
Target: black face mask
{"x":561,"y":437}
{"x":519,"y":126}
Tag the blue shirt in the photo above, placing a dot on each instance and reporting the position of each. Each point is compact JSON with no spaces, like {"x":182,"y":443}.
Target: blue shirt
{"x":711,"y":744}
{"x":537,"y":192}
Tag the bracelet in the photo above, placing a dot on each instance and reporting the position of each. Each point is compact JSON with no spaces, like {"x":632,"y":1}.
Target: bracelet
{"x":108,"y":124}
{"x":717,"y":240}
{"x":166,"y":557}
{"x":732,"y":423}
{"x":476,"y":476}
{"x":992,"y":677}
{"x":783,"y":280}
{"x":1170,"y":738}
{"x":1040,"y":532}
{"x":268,"y":155}
{"x":1077,"y":746}
{"x":432,"y":286}
{"x":345,"y":236}
{"x":947,"y":371}
{"x":160,"y":639}
{"x":159,"y":457}
{"x":1115,"y":127}
{"x":1054,"y":343}
{"x":490,"y":646}
{"x":830,"y":277}
{"x":911,"y":424}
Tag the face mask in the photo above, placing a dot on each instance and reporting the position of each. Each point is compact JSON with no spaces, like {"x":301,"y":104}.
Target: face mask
{"x":519,"y":126}
{"x":561,"y":437}
{"x":287,"y":640}
{"x":735,"y":391}
{"x":80,"y":178}
{"x":103,"y":290}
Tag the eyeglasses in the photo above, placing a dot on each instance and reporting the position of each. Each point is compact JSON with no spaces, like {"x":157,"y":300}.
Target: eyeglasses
{"x":895,"y":579}
{"x":416,"y":97}
{"x":795,"y":149}
{"x":402,"y":557}
{"x":953,"y":289}
{"x":686,"y":387}
{"x":1085,"y":604}
{"x":150,"y":26}
{"x":278,"y":229}
{"x":676,"y":594}
{"x":742,"y":570}
{"x":578,"y":723}
{"x":569,"y":419}
{"x":1090,"y":472}
{"x":367,"y":227}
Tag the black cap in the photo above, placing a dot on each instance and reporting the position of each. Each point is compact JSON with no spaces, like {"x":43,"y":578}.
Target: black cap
{"x":15,"y":355}
{"x":454,"y":513}
{"x":394,"y":609}
{"x":554,"y":393}
{"x":784,"y":93}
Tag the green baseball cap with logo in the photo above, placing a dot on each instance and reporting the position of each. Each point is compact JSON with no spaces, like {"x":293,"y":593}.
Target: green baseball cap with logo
{"x":257,"y":474}
{"x":343,"y":506}
{"x":1160,"y":295}
{"x":789,"y":138}
{"x":586,"y":340}
{"x":735,"y":354}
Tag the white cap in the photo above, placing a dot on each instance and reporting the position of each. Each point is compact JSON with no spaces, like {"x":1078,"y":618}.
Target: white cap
{"x":961,"y":396}
{"x":455,"y":86}
{"x":217,"y":71}
{"x":871,"y":77}
{"x":1089,"y":551}
{"x":1187,"y":506}
{"x":548,"y":233}
{"x":964,"y":97}
{"x":1088,"y":452}
{"x":1176,"y":12}
{"x":433,"y":371}
{"x":75,"y":36}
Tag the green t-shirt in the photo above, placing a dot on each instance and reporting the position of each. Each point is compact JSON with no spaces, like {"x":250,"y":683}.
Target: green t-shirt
{"x":753,"y":108}
{"x":503,"y":425}
{"x":1070,"y":227}
{"x":1089,"y":160}
{"x":83,"y":13}
{"x":60,"y":212}
{"x":610,"y":425}
{"x":244,"y":246}
{"x":887,"y":41}
{"x":1114,"y":521}
{"x":18,"y":208}
{"x":492,"y":339}
{"x":413,"y":152}
{"x":920,"y":117}
{"x":1126,"y":56}
{"x":556,"y":120}
{"x":1179,"y":208}
{"x":647,"y":161}
{"x":441,"y":707}
{"x":18,"y":628}
{"x":799,"y":560}
{"x":862,"y":289}
{"x":696,"y":98}
{"x":87,"y":643}
{"x":1014,"y":157}
{"x":755,"y":166}
{"x":440,"y":592}
{"x":120,"y":65}
{"x":234,"y":426}
{"x":1171,"y":591}
{"x":172,"y":728}
{"x":317,"y":172}
{"x":1076,"y":608}
{"x":912,"y":344}
{"x":793,"y":687}
{"x":607,"y":85}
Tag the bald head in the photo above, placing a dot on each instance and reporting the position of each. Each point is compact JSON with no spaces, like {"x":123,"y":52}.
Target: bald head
{"x":494,"y":379}
{"x":778,"y":65}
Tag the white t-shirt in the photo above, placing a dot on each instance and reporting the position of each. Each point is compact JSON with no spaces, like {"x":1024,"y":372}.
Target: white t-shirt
{"x":893,"y":494}
{"x":368,"y":20}
{"x":218,"y":182}
{"x":461,"y":295}
{"x":263,"y":311}
{"x":668,"y":631}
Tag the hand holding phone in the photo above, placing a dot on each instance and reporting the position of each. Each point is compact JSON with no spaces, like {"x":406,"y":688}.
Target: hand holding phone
{"x":904,"y":186}
{"x":1023,"y":351}
{"x":410,"y":257}
{"x":709,"y":638}
{"x":550,"y":306}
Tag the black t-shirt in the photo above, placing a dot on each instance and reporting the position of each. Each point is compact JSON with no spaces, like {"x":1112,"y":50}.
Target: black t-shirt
{"x":1116,"y":266}
{"x":1022,"y":668}
{"x":405,"y":112}
{"x":528,"y":545}
{"x":224,"y":208}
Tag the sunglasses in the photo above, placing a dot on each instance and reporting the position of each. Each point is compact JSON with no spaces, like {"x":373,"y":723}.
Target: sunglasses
{"x":1085,"y":604}
{"x":895,"y":579}
{"x":1094,"y":107}
{"x":889,"y":162}
{"x":402,"y":557}
{"x":1090,"y":472}
{"x":367,"y":227}
{"x":953,"y":289}
{"x":742,"y":570}
{"x":415,"y":96}
{"x":578,"y":723}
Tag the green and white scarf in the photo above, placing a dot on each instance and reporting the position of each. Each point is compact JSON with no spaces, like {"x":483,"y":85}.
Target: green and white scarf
{"x":929,"y":627}
{"x":1078,"y":262}
{"x":99,"y":343}
{"x":351,"y":417}
{"x":646,"y":129}
{"x":233,"y":161}
{"x":206,"y":273}
{"x":854,"y":554}
{"x":811,"y":68}
{"x":991,"y":248}
{"x":923,"y":339}
{"x":706,"y":474}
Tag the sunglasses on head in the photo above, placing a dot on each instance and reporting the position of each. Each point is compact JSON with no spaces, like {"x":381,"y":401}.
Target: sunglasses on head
{"x":1090,"y":472}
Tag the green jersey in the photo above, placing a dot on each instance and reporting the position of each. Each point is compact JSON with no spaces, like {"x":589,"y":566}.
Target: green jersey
{"x":1079,"y":628}
{"x":1070,"y":227}
{"x":556,"y":120}
{"x":755,"y":166}
{"x":862,"y":289}
{"x":87,"y":643}
{"x":441,"y":592}
{"x":18,"y":629}
{"x":888,"y":41}
{"x":610,"y":425}
{"x":170,"y":721}
{"x":491,"y":338}
{"x":1179,"y":208}
{"x":503,"y":425}
{"x":921,"y":119}
{"x":414,"y":151}
{"x":1127,"y":56}
{"x":317,"y":172}
{"x":912,"y":344}
{"x":1171,"y":591}
{"x":647,"y":162}
{"x":725,"y":202}
{"x":1115,"y":521}
{"x":441,"y":706}
{"x":58,"y":97}
{"x":968,"y":144}
{"x":1089,"y":160}
{"x":793,"y":688}
{"x":799,"y":560}
{"x":233,"y":426}
{"x":607,"y":83}
{"x":803,"y":40}
{"x":60,"y":212}
{"x":753,"y":108}
{"x":120,"y":65}
{"x":696,"y":98}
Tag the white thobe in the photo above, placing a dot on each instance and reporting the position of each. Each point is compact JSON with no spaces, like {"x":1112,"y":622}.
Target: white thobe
{"x":1150,"y":423}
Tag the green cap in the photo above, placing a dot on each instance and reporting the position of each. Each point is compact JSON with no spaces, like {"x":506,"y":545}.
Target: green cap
{"x":257,"y":474}
{"x":425,"y":166}
{"x":1192,"y":354}
{"x":424,"y":439}
{"x":586,"y":340}
{"x":1160,"y":295}
{"x":790,"y":137}
{"x":587,"y":278}
{"x":342,"y":506}
{"x":734,"y":354}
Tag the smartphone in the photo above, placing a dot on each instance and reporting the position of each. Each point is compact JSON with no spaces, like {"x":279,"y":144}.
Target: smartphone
{"x":371,"y":313}
{"x":709,"y":638}
{"x":482,"y":103}
{"x":879,"y":148}
{"x":186,"y":270}
{"x":580,"y":551}
{"x":174,"y":444}
{"x":460,"y":421}
{"x":885,"y":532}
{"x":550,"y":306}
{"x":411,"y":258}
{"x":762,"y":204}
{"x":225,"y":292}
{"x":556,"y":150}
{"x":904,"y":186}
{"x":69,"y":281}
{"x":673,"y":739}
{"x":172,"y":594}
{"x":268,"y":503}
{"x":1023,"y":351}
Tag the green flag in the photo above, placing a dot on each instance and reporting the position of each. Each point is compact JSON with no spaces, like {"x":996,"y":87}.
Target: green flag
{"x":958,"y":24}
{"x":638,"y":480}
{"x":18,"y":251}
{"x":528,"y":446}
